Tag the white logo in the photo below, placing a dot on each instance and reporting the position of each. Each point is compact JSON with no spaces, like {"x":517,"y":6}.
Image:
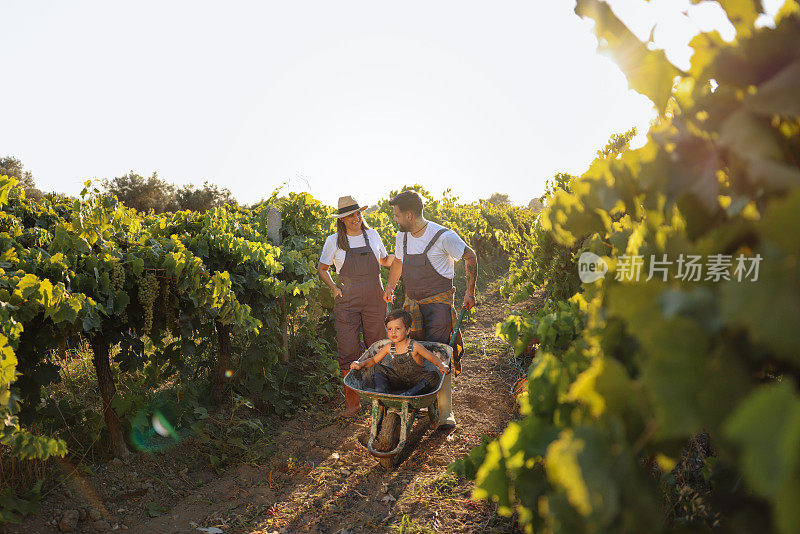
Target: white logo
{"x":591,"y":267}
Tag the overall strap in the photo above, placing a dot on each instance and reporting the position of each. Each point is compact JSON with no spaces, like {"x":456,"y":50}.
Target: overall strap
{"x":363,"y":232}
{"x":392,"y":349}
{"x":405,"y":244}
{"x":432,"y":241}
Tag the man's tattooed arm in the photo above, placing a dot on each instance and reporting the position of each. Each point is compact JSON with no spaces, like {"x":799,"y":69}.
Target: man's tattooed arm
{"x":471,"y":265}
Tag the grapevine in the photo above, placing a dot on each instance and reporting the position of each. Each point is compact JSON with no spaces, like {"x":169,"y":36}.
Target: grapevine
{"x":631,"y":371}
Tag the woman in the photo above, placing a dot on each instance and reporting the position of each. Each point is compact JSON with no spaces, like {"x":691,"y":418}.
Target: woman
{"x":357,"y":252}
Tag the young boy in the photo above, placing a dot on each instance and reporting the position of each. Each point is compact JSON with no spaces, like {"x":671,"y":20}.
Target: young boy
{"x":408,"y":367}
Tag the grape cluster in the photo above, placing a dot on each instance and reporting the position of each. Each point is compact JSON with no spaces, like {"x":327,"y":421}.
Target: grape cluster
{"x":148,"y":292}
{"x":167,"y":287}
{"x":117,"y":282}
{"x":117,"y":277}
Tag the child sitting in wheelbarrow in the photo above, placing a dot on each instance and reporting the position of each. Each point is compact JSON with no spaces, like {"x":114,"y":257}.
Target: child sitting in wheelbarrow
{"x":407,"y":371}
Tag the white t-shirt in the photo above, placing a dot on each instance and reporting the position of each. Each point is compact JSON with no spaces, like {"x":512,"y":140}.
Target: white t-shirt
{"x":333,"y":255}
{"x":447,"y":249}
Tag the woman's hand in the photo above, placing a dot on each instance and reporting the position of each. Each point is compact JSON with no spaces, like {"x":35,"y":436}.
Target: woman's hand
{"x":387,"y":261}
{"x":444,"y":369}
{"x":337,"y":291}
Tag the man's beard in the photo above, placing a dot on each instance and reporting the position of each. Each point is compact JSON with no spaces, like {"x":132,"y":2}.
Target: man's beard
{"x":404,"y":226}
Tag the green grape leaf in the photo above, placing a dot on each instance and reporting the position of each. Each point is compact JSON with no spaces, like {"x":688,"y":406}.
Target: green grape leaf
{"x":581,"y":464}
{"x":766,"y":426}
{"x":788,"y":9}
{"x":637,"y":304}
{"x":756,"y":304}
{"x":674,"y":376}
{"x":136,"y":266}
{"x":604,"y":385}
{"x":749,"y":136}
{"x":468,"y":465}
{"x":780,"y":95}
{"x":28,"y":285}
{"x":80,"y":245}
{"x":569,"y":218}
{"x":491,"y":480}
{"x":648,"y":71}
{"x":67,"y":311}
{"x":690,"y":387}
{"x":694,"y":172}
{"x":535,"y":435}
{"x":781,"y":221}
{"x":742,"y":14}
{"x":91,"y":319}
{"x":6,"y":184}
{"x":787,"y":512}
{"x":705,"y":48}
{"x":121,"y":301}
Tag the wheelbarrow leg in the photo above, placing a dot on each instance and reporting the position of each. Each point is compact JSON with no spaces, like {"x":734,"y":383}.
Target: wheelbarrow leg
{"x":377,"y":418}
{"x":433,"y":414}
{"x":405,"y":422}
{"x":445,"y":401}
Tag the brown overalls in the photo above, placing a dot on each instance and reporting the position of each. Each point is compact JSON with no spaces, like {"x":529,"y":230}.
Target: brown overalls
{"x":422,"y":281}
{"x":361,"y":306}
{"x":404,"y":372}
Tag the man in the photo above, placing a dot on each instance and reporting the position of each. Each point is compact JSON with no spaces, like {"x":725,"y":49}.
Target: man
{"x":425,"y":255}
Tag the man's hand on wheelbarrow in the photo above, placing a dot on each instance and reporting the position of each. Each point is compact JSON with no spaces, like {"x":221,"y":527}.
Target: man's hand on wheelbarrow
{"x":444,"y":368}
{"x":355,"y":365}
{"x":469,"y":301}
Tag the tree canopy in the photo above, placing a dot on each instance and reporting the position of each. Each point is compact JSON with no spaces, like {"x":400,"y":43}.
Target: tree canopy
{"x":11,"y":166}
{"x":202,"y":199}
{"x":498,"y":199}
{"x":156,"y":194}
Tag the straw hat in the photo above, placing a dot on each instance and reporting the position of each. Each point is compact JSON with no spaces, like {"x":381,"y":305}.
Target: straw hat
{"x":347,"y":206}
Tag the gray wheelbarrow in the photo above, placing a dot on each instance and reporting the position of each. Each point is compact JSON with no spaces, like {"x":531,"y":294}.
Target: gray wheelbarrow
{"x":390,"y":411}
{"x":388,"y":408}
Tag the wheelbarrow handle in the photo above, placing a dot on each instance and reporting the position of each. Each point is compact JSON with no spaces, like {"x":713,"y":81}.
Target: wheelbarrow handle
{"x":457,"y":327}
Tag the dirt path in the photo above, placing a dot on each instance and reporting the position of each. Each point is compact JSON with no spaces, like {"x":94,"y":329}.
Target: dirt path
{"x":320,"y":478}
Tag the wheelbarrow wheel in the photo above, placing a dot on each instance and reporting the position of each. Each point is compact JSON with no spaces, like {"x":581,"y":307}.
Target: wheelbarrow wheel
{"x":388,"y":437}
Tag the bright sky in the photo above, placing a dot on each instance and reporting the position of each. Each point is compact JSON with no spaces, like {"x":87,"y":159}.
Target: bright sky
{"x":332,"y":98}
